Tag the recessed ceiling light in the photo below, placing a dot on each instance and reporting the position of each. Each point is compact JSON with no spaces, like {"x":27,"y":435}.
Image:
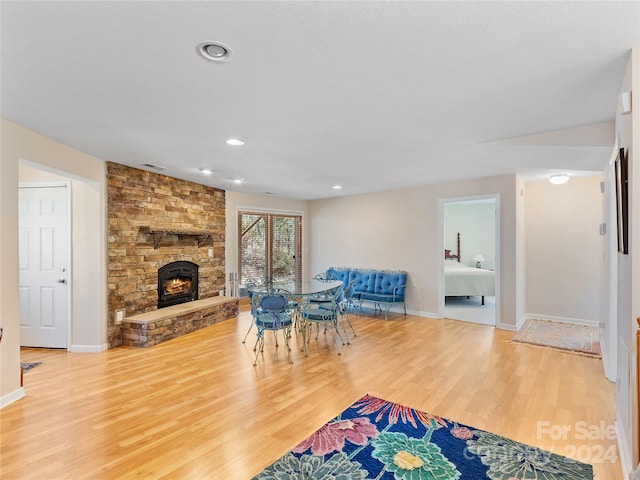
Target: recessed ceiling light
{"x":215,"y":51}
{"x":559,"y":179}
{"x":235,"y":142}
{"x":238,"y":180}
{"x":206,"y":171}
{"x":337,"y":187}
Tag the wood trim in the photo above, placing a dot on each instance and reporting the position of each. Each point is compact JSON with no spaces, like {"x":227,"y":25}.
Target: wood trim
{"x":447,"y":252}
{"x":202,"y":236}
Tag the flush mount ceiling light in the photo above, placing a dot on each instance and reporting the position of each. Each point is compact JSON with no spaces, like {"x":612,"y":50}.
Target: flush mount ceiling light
{"x":235,"y":142}
{"x":559,"y":179}
{"x":215,"y":51}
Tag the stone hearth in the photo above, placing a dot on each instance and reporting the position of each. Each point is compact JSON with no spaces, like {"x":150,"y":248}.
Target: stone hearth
{"x":151,"y":328}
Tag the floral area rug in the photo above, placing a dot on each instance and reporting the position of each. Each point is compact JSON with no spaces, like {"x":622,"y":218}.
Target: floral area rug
{"x":378,"y":439}
{"x":569,"y":337}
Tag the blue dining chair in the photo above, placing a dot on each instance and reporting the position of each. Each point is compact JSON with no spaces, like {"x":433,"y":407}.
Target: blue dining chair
{"x":250,"y":286}
{"x":271,"y":312}
{"x":347,"y":302}
{"x":322,"y":313}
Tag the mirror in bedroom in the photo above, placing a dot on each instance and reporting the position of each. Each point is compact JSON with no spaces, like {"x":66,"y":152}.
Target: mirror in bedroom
{"x":470,"y":249}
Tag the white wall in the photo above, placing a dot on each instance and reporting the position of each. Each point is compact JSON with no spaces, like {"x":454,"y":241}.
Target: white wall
{"x":520,"y":248}
{"x":88,"y":327}
{"x":564,"y":250}
{"x":399,"y":229}
{"x":628,"y":281}
{"x":476,"y":223}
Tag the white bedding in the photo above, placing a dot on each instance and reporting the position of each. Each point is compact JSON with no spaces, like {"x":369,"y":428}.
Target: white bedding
{"x":461,"y":280}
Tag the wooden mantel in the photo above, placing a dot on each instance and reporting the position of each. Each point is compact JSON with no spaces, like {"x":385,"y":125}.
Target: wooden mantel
{"x":159,"y":233}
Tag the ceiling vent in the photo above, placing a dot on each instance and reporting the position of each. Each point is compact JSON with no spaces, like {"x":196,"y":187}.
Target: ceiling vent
{"x":155,"y":167}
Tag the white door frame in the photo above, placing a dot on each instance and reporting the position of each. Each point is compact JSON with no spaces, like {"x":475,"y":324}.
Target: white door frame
{"x":69,"y":278}
{"x":610,"y":294}
{"x":440,"y":252}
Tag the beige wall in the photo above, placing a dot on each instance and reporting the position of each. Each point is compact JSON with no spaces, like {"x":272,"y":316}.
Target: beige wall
{"x":10,"y":389}
{"x":564,"y":250}
{"x":401,"y":229}
{"x":88,"y":314}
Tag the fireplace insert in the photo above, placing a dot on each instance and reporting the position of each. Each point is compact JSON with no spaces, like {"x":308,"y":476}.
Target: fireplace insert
{"x":177,"y":283}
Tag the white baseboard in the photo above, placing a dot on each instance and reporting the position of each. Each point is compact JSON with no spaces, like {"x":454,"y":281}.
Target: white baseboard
{"x":551,"y":318}
{"x":88,"y":348}
{"x":605,"y":361}
{"x":11,"y":397}
{"x":424,"y":314}
{"x":623,"y":450}
{"x":506,"y":326}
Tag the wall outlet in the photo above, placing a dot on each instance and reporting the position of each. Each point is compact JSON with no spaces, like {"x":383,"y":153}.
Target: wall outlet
{"x":120,"y":315}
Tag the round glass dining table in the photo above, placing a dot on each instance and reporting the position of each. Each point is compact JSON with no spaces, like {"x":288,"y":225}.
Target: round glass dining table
{"x":307,"y":287}
{"x":301,"y":288}
{"x":298,"y":290}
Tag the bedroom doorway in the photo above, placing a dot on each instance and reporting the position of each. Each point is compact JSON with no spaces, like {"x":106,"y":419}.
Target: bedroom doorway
{"x":470,"y":233}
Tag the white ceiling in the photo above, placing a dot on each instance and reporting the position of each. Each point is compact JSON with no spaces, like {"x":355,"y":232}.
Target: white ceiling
{"x":370,"y":95}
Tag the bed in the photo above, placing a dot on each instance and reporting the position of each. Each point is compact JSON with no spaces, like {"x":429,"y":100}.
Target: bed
{"x":462,"y":280}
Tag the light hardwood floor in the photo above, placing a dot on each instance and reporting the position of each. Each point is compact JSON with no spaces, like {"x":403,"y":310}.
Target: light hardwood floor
{"x":196,"y":408}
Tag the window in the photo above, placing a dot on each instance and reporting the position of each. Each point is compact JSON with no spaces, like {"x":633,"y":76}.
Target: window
{"x":270,"y":247}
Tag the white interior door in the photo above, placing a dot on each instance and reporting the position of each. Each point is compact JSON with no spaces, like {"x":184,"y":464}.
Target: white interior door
{"x":43,"y":263}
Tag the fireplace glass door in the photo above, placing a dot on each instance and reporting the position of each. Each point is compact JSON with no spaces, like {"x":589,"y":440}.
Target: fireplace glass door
{"x":177,"y":283}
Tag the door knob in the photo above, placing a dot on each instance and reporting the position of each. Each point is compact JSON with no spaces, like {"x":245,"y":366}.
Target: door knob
{"x":62,"y":280}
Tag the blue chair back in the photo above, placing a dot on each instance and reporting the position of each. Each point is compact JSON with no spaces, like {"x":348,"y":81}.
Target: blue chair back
{"x":275,"y":302}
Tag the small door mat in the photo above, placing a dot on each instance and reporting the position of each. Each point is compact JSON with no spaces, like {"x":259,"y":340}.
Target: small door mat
{"x":26,"y":366}
{"x":568,"y":337}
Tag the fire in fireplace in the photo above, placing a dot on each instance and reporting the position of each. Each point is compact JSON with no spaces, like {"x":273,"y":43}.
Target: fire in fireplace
{"x":177,"y":283}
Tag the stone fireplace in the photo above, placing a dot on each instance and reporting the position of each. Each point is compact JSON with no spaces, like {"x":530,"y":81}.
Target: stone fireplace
{"x":156,"y":220}
{"x":177,"y":283}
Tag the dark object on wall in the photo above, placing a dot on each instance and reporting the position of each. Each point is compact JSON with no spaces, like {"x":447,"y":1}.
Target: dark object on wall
{"x":622,"y":200}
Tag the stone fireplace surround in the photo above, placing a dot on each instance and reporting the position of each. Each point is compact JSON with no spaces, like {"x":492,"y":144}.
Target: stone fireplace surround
{"x":154,"y":220}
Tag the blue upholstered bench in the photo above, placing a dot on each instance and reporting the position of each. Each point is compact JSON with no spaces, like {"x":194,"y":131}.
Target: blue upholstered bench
{"x":383,"y":288}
